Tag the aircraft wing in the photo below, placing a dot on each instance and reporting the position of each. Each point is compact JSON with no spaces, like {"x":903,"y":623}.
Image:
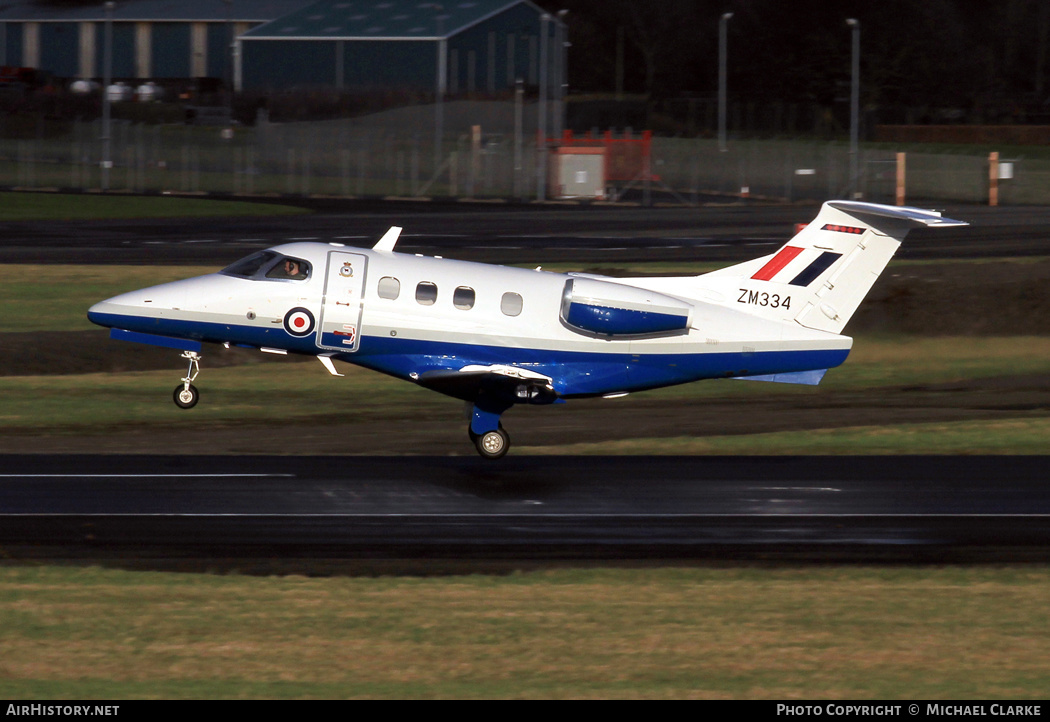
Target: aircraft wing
{"x":512,"y":383}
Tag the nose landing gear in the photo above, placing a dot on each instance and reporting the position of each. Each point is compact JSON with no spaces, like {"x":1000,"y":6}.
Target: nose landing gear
{"x":186,"y":395}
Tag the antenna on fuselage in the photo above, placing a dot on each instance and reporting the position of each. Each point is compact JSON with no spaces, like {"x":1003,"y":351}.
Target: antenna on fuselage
{"x":389,"y":239}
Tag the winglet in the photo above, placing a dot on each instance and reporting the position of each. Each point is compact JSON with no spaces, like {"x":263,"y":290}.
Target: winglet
{"x":389,"y":239}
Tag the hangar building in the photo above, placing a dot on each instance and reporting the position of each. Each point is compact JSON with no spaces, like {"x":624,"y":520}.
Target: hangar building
{"x":456,"y":45}
{"x":151,"y":38}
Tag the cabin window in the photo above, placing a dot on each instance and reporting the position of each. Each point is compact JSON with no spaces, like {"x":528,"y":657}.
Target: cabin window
{"x":389,"y":287}
{"x":510,"y":304}
{"x":426,"y":293}
{"x":463,"y":298}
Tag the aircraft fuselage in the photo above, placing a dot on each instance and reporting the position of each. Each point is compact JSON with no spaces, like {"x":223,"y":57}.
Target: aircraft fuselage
{"x":434,"y":314}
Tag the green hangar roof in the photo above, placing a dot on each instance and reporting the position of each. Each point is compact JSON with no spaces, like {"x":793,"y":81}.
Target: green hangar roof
{"x":382,"y":19}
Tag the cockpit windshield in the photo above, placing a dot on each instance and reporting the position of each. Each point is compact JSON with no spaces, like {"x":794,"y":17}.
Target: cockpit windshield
{"x":269,"y":265}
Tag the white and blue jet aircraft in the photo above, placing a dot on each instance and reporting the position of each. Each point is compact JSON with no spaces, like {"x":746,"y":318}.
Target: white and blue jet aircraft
{"x":496,"y":336}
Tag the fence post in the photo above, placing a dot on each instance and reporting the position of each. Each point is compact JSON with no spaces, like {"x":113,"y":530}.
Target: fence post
{"x":993,"y":178}
{"x":647,"y":168}
{"x":362,"y":149}
{"x":249,"y":168}
{"x":453,"y":172}
{"x":290,"y":172}
{"x":475,"y":158}
{"x":345,"y":169}
{"x":401,"y":172}
{"x":900,"y":178}
{"x":414,"y":186}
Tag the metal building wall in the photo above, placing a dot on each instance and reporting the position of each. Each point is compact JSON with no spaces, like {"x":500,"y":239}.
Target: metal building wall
{"x":218,"y":50}
{"x":388,"y":64}
{"x":123,"y":50}
{"x":281,"y":64}
{"x":170,"y":50}
{"x":60,"y":49}
{"x":13,"y":43}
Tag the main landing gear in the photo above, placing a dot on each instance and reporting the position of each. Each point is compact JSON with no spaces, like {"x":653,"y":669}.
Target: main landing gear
{"x":486,"y":431}
{"x":186,"y":395}
{"x":491,"y":444}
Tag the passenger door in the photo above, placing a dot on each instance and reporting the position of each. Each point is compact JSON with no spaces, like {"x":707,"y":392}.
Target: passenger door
{"x":343,"y":301}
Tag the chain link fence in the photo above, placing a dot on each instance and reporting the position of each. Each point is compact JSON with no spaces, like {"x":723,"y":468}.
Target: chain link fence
{"x":400,"y":155}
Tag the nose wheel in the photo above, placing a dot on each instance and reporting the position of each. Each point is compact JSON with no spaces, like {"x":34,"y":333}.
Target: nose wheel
{"x":186,"y":394}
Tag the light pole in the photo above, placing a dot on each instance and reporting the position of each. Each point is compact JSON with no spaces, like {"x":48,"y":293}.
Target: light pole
{"x":439,"y":83}
{"x":519,"y":97}
{"x":722,"y":34}
{"x":107,"y":61}
{"x":854,"y":108}
{"x":227,"y":62}
{"x":561,"y":75}
{"x":541,"y":135}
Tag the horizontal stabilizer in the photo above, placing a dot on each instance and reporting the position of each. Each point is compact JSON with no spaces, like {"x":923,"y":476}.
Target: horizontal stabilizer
{"x":881,"y":217}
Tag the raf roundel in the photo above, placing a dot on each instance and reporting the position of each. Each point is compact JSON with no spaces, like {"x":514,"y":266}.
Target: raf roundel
{"x":299,"y":322}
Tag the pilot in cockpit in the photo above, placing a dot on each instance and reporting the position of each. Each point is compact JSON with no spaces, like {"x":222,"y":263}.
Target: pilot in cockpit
{"x":289,"y":268}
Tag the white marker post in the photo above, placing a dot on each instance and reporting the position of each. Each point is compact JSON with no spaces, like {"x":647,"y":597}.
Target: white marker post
{"x":993,"y":178}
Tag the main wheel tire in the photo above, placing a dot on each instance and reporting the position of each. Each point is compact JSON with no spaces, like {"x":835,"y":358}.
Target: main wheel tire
{"x":493,"y":444}
{"x":186,"y":398}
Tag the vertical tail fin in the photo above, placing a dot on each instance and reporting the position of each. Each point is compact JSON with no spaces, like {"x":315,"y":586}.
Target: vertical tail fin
{"x":825,"y":271}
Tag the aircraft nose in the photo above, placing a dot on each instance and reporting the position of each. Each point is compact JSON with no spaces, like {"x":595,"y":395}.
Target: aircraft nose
{"x":98,"y":313}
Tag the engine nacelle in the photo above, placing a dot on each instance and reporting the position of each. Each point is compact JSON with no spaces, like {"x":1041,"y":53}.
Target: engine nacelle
{"x":613,"y":310}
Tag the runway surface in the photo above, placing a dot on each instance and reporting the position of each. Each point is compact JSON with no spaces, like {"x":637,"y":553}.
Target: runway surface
{"x":542,"y":508}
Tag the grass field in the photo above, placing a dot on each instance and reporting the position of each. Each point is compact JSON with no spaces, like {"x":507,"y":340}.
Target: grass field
{"x":56,"y":297}
{"x":77,"y":403}
{"x":97,"y":206}
{"x":758,"y":633}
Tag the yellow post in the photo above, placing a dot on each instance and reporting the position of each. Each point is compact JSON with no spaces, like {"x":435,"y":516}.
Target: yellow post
{"x":900,"y":179}
{"x":475,"y":157}
{"x":993,"y":178}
